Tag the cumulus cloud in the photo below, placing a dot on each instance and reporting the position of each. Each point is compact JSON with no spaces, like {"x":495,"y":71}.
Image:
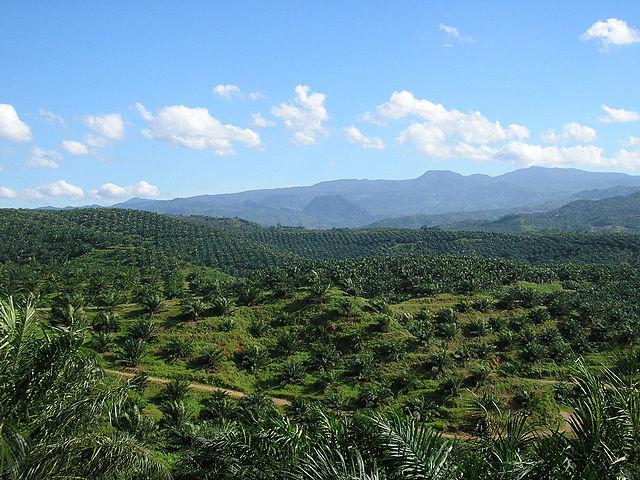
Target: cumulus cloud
{"x":227,"y":91}
{"x":451,"y":134}
{"x":107,"y":127}
{"x":58,"y":189}
{"x":570,"y":132}
{"x":196,"y":129}
{"x":111,"y":191}
{"x":580,"y":155}
{"x":305,"y":115}
{"x":6,"y":192}
{"x":443,"y":133}
{"x":611,"y":32}
{"x":11,"y":127}
{"x":454,"y":34}
{"x":103,"y":130}
{"x":75,"y":148}
{"x":618,"y":115}
{"x":355,"y":136}
{"x":632,"y":142}
{"x":261,"y":122}
{"x":51,"y":117}
{"x":472,"y":127}
{"x":41,"y":158}
{"x":233,"y":92}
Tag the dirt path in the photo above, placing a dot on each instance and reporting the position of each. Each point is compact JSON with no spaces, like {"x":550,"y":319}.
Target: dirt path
{"x":281,"y":402}
{"x":201,"y":387}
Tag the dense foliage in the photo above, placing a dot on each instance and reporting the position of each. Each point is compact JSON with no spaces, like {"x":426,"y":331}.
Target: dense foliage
{"x":355,"y":354}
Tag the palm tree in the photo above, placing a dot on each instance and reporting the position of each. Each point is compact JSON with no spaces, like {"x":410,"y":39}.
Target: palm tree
{"x":193,"y":308}
{"x":133,"y":349}
{"x":106,"y":322}
{"x":152,"y":303}
{"x":211,"y":357}
{"x":55,"y":407}
{"x":143,"y":329}
{"x":221,"y":306}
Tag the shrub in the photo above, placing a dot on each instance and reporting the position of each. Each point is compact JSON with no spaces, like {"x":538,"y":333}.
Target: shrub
{"x":292,"y":372}
{"x":227,"y":324}
{"x":217,"y":406}
{"x":211,"y":357}
{"x":106,"y":322}
{"x":374,"y":396}
{"x":258,"y":327}
{"x":143,"y":329}
{"x":176,"y":390}
{"x":177,"y":349}
{"x":221,"y":306}
{"x":252,"y":358}
{"x":133,"y":349}
{"x":102,"y":342}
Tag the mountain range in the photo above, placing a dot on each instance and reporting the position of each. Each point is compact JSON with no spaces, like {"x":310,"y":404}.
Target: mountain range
{"x":435,"y":198}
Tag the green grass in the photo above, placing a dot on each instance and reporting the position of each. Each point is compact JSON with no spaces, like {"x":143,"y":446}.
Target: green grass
{"x":405,"y":374}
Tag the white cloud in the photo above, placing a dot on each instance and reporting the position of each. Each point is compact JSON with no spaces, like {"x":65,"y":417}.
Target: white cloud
{"x":611,"y":32}
{"x":570,"y":131}
{"x":261,"y":122}
{"x":453,"y":34}
{"x":51,"y":117}
{"x":471,"y":127}
{"x":109,"y":127}
{"x":6,"y":192}
{"x":452,"y":134}
{"x":618,"y":115}
{"x":145,"y":189}
{"x":44,"y":158}
{"x":11,"y":127}
{"x":443,"y":133}
{"x":632,"y":142}
{"x":521,"y":153}
{"x":231,"y":92}
{"x":142,"y":110}
{"x":355,"y":136}
{"x":74,"y":148}
{"x":227,"y":91}
{"x":61,"y":188}
{"x":254,"y":96}
{"x":195,"y":128}
{"x":580,"y":155}
{"x":304,"y":115}
{"x":111,"y":191}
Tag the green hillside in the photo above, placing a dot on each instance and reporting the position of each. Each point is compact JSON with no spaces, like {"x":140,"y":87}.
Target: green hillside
{"x":231,"y":336}
{"x":617,"y":214}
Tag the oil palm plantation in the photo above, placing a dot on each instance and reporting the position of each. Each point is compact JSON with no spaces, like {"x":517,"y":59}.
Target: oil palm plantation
{"x":56,"y":406}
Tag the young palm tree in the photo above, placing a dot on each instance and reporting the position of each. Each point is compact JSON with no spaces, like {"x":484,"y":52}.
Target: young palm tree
{"x":193,"y":309}
{"x":152,"y":303}
{"x":55,"y":407}
{"x":133,"y":349}
{"x":221,"y":306}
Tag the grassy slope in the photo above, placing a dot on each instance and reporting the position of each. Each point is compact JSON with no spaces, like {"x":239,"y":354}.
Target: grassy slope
{"x":502,"y":383}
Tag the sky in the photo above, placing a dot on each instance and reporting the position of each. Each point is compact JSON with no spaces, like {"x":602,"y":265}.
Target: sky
{"x":103,"y":101}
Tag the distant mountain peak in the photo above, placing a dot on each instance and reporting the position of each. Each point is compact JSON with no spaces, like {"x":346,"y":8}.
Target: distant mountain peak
{"x":353,"y":203}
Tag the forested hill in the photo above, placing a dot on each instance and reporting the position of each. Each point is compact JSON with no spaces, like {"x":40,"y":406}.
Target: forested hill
{"x":620,"y":213}
{"x":239,"y":246}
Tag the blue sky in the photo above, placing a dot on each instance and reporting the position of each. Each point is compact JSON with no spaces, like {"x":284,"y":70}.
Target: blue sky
{"x":101,"y":101}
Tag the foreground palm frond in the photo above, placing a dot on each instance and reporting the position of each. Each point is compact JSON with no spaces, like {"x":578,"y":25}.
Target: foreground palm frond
{"x":56,"y":408}
{"x":409,"y":449}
